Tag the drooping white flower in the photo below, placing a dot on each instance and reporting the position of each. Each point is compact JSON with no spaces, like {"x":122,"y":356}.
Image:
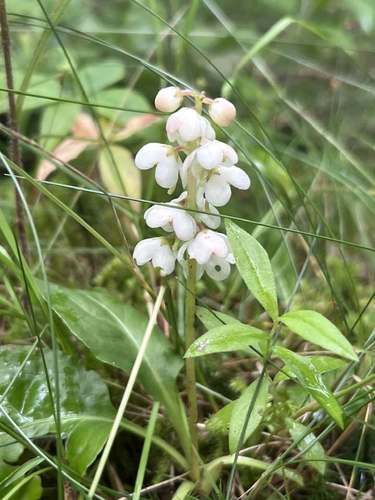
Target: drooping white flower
{"x":165,"y":159}
{"x":210,"y":155}
{"x":207,"y":244}
{"x":213,"y":165}
{"x":211,"y":216}
{"x":217,"y":189}
{"x":172,"y":219}
{"x":211,"y":251}
{"x":187,"y":125}
{"x":168,"y":99}
{"x":158,"y":251}
{"x":222,"y":111}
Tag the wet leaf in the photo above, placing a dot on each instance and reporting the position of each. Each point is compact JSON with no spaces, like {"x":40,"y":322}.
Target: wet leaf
{"x":113,"y":331}
{"x":82,"y":394}
{"x":311,"y":380}
{"x":226,"y":338}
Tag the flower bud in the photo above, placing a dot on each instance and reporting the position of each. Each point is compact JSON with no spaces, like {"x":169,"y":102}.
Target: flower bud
{"x":186,"y":125}
{"x":168,"y":99}
{"x":222,"y":111}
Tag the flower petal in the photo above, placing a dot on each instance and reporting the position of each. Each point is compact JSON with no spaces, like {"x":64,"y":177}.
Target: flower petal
{"x":165,"y":259}
{"x":145,"y":249}
{"x":166,"y":174}
{"x":184,"y":225}
{"x":149,"y":155}
{"x":210,"y":155}
{"x":158,"y":216}
{"x":236,"y":177}
{"x":217,"y":269}
{"x":217,"y":191}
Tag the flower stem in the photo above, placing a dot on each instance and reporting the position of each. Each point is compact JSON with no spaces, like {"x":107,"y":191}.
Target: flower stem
{"x":190,"y":368}
{"x":189,"y":339}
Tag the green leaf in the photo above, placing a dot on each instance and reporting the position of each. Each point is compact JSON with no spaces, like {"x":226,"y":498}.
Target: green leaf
{"x":226,"y":338}
{"x":26,"y":489}
{"x":311,"y":380}
{"x":113,"y":331}
{"x":98,"y":76}
{"x":82,"y":394}
{"x":254,"y":266}
{"x":57,"y":120}
{"x":318,"y":330}
{"x":240,"y":409}
{"x":85,"y":443}
{"x":322,"y":364}
{"x":123,"y":98}
{"x":119,"y":173}
{"x":307,"y":441}
{"x":219,"y":422}
{"x":212,"y":319}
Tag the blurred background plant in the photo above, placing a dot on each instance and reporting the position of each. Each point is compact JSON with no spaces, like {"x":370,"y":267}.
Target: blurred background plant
{"x":301,"y":74}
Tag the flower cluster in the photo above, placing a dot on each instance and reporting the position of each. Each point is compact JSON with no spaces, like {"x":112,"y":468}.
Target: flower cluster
{"x":207,"y":169}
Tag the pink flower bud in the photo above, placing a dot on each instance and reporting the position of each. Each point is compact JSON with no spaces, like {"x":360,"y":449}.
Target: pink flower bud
{"x":168,"y":99}
{"x":222,"y":111}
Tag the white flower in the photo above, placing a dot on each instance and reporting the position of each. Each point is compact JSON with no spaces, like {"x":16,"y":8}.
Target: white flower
{"x":168,"y":99}
{"x":206,"y":244}
{"x":172,"y":219}
{"x":212,"y":253}
{"x":210,"y":155}
{"x":211,"y":218}
{"x":187,"y":125}
{"x":222,"y":111}
{"x":158,"y":252}
{"x":165,"y":159}
{"x":217,"y":189}
{"x":213,"y":165}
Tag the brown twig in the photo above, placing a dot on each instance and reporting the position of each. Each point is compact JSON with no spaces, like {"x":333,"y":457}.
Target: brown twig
{"x":14,"y":145}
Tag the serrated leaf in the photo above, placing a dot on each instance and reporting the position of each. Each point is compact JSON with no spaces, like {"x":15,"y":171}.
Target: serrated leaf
{"x":307,"y":441}
{"x":317,"y":329}
{"x":119,"y":173}
{"x":240,"y":409}
{"x":254,"y":266}
{"x":113,"y":332}
{"x":226,"y":338}
{"x":311,"y":380}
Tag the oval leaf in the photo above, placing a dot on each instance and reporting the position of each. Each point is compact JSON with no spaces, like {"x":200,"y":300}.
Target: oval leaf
{"x":226,"y":338}
{"x":119,"y":173}
{"x":306,"y":440}
{"x":311,"y":380}
{"x":318,"y":330}
{"x":113,"y":331}
{"x":254,"y":266}
{"x":240,"y":409}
